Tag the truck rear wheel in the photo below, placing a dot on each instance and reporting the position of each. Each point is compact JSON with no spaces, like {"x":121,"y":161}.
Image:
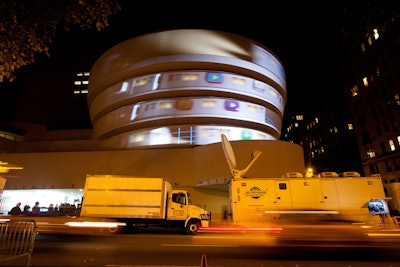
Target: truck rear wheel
{"x":192,"y":227}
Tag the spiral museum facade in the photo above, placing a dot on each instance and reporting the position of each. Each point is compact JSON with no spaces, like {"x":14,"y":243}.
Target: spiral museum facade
{"x":158,"y":105}
{"x":186,"y":87}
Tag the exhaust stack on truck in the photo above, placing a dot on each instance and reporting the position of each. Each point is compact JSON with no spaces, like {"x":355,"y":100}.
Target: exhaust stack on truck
{"x":139,"y":201}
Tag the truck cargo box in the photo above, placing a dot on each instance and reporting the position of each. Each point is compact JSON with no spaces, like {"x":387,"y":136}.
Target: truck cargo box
{"x":116,"y":196}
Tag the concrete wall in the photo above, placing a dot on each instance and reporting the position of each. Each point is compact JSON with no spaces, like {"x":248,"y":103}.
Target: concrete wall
{"x":202,"y":170}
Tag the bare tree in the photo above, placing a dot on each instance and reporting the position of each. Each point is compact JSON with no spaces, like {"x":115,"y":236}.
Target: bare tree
{"x":28,"y":27}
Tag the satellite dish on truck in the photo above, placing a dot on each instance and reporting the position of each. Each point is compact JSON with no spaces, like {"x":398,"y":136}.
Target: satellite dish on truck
{"x":230,"y":158}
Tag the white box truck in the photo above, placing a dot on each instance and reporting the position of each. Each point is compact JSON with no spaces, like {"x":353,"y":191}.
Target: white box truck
{"x":328,"y":195}
{"x":139,"y":201}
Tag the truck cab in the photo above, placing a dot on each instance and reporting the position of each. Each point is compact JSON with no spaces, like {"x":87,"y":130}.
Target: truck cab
{"x":180,"y":208}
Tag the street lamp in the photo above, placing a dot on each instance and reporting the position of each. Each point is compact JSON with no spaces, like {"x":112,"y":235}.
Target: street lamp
{"x":310,"y":172}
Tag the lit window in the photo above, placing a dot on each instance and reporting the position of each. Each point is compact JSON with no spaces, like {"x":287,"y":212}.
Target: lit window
{"x":370,"y":40}
{"x":365,"y":81}
{"x":84,"y":91}
{"x":76,"y":92}
{"x":299,"y":117}
{"x":86,"y":73}
{"x":363,"y":47}
{"x":77,"y":82}
{"x":370,"y":153}
{"x":350,"y":126}
{"x":398,"y":140}
{"x":85,"y":82}
{"x":354,"y":91}
{"x":376,"y":34}
{"x":79,"y":74}
{"x":397,"y":99}
{"x":391,"y":145}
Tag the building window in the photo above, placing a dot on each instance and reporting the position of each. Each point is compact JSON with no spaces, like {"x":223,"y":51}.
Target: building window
{"x":370,"y":153}
{"x":397,"y":99}
{"x":354,"y":91}
{"x":374,"y":169}
{"x":369,"y":40}
{"x":383,"y":147}
{"x":378,"y":130}
{"x":361,"y":120}
{"x":391,"y":145}
{"x":388,"y":167}
{"x":366,"y":139}
{"x":396,"y":163}
{"x":363,"y":47}
{"x":373,"y":112}
{"x":376,"y":34}
{"x":386,"y":127}
{"x":365,"y":81}
{"x":300,"y":118}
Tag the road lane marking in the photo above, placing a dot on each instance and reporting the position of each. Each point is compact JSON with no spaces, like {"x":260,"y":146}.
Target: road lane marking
{"x":191,"y":245}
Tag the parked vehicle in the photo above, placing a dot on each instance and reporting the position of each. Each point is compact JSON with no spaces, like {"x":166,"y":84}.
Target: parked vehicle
{"x":141,"y":201}
{"x":328,"y":195}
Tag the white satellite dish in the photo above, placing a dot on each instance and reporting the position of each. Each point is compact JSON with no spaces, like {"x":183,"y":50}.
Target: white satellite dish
{"x":230,"y":158}
{"x":228,"y":151}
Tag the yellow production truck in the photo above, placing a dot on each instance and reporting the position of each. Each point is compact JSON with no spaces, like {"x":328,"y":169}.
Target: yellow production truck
{"x":141,"y":201}
{"x":328,"y":195}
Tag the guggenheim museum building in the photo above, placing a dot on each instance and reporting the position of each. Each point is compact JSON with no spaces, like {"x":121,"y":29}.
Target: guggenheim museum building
{"x":158,"y":105}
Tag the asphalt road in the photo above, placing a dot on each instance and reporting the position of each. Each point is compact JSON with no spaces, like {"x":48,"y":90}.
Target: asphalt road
{"x":294,"y":245}
{"x":219,"y":249}
{"x":280,"y":245}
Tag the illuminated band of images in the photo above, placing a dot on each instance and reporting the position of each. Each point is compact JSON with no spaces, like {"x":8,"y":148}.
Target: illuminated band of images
{"x":161,"y":101}
{"x":183,"y":135}
{"x":183,"y":83}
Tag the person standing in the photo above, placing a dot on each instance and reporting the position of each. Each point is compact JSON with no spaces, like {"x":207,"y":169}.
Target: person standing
{"x":26,"y":210}
{"x":36,"y":209}
{"x":16,"y":210}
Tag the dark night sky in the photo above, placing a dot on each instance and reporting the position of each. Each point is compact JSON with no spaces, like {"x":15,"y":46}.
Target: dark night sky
{"x":301,"y":33}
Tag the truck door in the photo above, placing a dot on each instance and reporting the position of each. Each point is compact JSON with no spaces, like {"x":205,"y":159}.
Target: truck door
{"x":177,"y":208}
{"x":283,"y":195}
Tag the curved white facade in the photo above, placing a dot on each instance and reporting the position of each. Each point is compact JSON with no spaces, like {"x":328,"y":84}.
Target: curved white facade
{"x":186,"y":87}
{"x":174,"y":88}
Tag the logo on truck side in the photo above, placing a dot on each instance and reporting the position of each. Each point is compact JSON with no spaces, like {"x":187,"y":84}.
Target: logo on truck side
{"x":255,"y":193}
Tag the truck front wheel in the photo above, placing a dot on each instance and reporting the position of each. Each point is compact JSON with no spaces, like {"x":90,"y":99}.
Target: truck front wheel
{"x":192,"y":227}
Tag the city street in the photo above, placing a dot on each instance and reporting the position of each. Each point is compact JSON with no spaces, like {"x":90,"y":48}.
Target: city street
{"x":225,"y":245}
